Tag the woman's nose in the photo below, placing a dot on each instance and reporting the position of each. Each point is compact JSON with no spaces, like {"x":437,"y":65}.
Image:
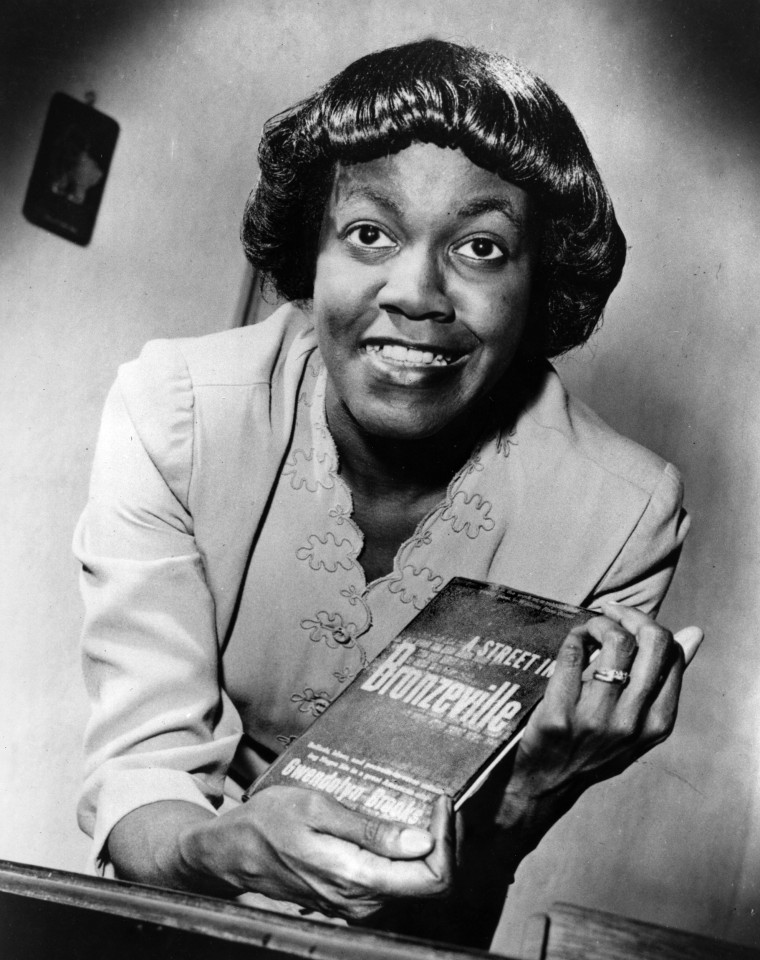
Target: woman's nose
{"x":416,"y":287}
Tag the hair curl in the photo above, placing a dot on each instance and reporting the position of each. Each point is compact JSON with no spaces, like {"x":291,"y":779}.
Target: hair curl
{"x":502,"y":117}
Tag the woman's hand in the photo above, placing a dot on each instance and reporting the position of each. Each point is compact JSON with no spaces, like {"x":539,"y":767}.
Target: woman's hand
{"x":302,"y":846}
{"x":585,"y":729}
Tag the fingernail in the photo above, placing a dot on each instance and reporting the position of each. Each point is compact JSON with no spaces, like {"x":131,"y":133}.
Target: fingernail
{"x":415,"y":842}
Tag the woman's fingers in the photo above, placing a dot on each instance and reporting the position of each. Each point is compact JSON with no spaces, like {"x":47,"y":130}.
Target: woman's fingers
{"x":566,"y":688}
{"x":336,"y":860}
{"x":618,"y":650}
{"x":566,"y":682}
{"x":643,"y":708}
{"x":648,"y":704}
{"x":377,"y":866}
{"x":597,"y":727}
{"x":660,"y":717}
{"x":391,"y":840}
{"x":654,"y":639}
{"x":689,"y":638}
{"x":632,"y":619}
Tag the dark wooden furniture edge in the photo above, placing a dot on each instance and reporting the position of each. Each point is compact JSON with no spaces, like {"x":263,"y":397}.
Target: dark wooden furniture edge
{"x":218,"y":918}
{"x":574,"y":931}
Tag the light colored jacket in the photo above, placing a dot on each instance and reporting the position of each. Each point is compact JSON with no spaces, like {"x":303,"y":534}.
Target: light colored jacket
{"x":193,"y":437}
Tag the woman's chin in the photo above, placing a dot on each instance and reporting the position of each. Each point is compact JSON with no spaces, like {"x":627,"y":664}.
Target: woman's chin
{"x":400,"y":425}
{"x":394,"y":414}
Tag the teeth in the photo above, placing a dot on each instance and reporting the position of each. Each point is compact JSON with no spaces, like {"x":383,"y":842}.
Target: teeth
{"x":397,"y":353}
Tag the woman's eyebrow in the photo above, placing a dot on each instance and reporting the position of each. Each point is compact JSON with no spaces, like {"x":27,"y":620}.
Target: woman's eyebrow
{"x":363,"y":192}
{"x":492,"y":205}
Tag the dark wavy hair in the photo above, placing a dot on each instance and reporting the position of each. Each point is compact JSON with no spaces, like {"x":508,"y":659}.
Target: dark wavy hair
{"x":502,"y":117}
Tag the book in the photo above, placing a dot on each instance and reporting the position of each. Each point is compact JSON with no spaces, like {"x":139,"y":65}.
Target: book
{"x":437,"y":709}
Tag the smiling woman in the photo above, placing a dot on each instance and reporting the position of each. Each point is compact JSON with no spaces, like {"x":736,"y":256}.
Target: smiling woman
{"x":271,"y":505}
{"x":422,"y":290}
{"x":421,"y":299}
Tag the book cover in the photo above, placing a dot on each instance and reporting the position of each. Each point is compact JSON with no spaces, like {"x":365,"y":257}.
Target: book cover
{"x":437,"y":709}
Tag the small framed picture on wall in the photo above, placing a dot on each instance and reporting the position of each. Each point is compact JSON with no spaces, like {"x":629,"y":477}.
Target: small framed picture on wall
{"x":71,"y":168}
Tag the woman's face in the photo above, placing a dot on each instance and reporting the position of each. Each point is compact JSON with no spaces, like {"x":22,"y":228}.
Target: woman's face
{"x":422,"y":288}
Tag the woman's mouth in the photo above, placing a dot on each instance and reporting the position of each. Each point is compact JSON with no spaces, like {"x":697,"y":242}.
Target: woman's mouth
{"x":403,"y":356}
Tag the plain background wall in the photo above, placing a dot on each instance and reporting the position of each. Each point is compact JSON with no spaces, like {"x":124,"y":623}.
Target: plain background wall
{"x":667,"y":93}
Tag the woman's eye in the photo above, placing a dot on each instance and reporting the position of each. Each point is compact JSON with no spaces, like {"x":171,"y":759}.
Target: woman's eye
{"x":481,"y":248}
{"x":368,"y":235}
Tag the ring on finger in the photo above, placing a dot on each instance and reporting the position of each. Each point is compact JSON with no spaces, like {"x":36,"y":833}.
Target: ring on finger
{"x":612,"y":676}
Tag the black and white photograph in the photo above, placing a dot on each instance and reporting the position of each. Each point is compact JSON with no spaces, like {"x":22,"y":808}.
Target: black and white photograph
{"x":380,"y":408}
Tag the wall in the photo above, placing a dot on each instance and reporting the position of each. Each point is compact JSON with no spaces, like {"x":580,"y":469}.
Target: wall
{"x":667,"y":93}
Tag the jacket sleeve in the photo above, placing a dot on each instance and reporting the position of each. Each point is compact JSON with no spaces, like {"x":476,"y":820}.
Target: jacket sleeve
{"x":161,"y":727}
{"x":643,"y":569}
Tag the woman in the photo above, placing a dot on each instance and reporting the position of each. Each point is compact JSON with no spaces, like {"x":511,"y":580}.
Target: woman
{"x":271,"y":505}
